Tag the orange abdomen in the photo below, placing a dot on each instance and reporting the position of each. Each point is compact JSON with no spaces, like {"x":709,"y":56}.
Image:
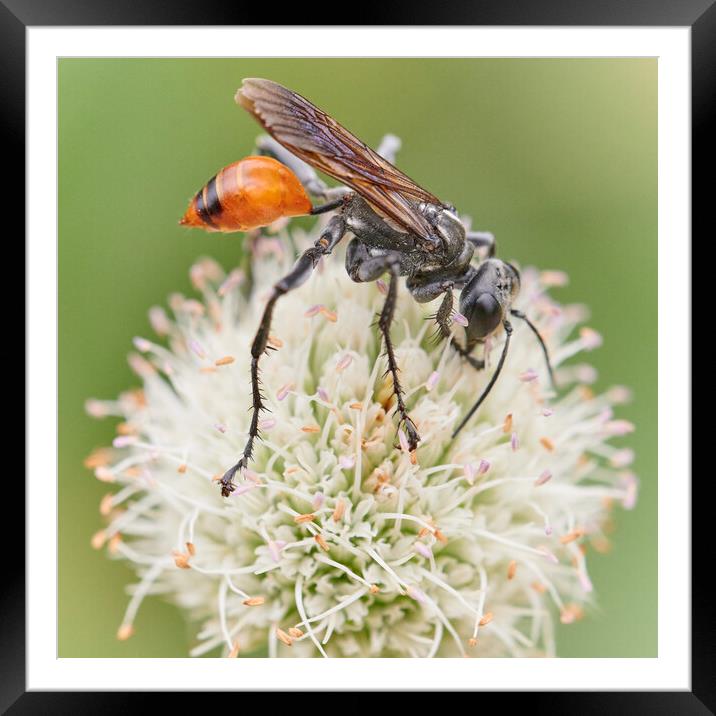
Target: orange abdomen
{"x":247,"y":194}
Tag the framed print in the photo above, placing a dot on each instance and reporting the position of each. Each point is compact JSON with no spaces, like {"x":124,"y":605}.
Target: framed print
{"x":452,"y":286}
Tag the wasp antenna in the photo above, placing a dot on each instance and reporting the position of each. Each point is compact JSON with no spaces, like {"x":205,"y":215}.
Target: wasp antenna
{"x":493,"y":380}
{"x":520,"y":314}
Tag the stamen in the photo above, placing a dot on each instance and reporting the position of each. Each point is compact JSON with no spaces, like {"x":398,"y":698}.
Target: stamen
{"x":590,"y":338}
{"x":514,"y":441}
{"x":197,"y":348}
{"x":329,"y":315}
{"x":243,"y":489}
{"x":311,"y":429}
{"x":545,"y":476}
{"x":275,"y":547}
{"x":284,"y":390}
{"x":619,"y":427}
{"x":267,"y":424}
{"x":105,"y":506}
{"x":486,"y":619}
{"x":631,"y":485}
{"x":314,"y":310}
{"x":347,"y":461}
{"x":622,"y":458}
{"x":159,"y":321}
{"x":416,"y":593}
{"x":547,"y":444}
{"x":470,"y":473}
{"x":192,"y":306}
{"x":96,"y":408}
{"x":423,"y":550}
{"x":432,"y":380}
{"x":547,"y":412}
{"x":382,"y":286}
{"x":284,"y":637}
{"x":483,"y":467}
{"x":403,"y":440}
{"x":142,"y":344}
{"x":321,"y":541}
{"x":114,"y":543}
{"x":97,"y":458}
{"x":220,"y":427}
{"x":339,"y":511}
{"x":460,"y":319}
{"x":323,"y":394}
{"x":512,"y":569}
{"x":197,"y":278}
{"x":124,"y":632}
{"x":181,"y":559}
{"x":619,"y":395}
{"x":344,"y":362}
{"x":507,"y":424}
{"x":571,"y":536}
{"x":226,"y":360}
{"x":295,"y":632}
{"x":305,"y":518}
{"x":234,"y":650}
{"x":104,"y":474}
{"x":553,"y":279}
{"x":254,"y":601}
{"x":528,"y":376}
{"x":124,"y":441}
{"x":231,"y":281}
{"x":98,"y":539}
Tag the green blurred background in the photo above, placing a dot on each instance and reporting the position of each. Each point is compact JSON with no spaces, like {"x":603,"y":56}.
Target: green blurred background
{"x":557,"y":157}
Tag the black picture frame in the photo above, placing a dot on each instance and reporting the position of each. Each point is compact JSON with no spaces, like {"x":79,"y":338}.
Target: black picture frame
{"x":699,"y":15}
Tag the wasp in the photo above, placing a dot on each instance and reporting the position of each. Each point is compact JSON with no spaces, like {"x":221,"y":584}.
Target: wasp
{"x":397,"y":228}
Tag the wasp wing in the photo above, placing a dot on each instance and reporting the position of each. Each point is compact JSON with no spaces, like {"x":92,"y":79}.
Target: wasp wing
{"x":320,"y":141}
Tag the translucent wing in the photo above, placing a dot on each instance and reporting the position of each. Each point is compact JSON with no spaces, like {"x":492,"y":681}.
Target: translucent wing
{"x":319,"y":140}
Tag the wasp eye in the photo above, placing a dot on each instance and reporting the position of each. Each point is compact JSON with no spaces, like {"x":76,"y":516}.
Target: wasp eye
{"x":483,"y":313}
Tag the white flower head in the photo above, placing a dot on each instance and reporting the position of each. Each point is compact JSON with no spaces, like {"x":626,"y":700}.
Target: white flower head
{"x":338,"y":541}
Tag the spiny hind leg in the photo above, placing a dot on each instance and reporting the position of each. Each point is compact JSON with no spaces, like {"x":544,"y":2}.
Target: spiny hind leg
{"x":361,"y":266}
{"x":302,"y":269}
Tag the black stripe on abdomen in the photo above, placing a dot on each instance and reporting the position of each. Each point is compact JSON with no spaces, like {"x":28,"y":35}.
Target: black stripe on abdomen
{"x":213,"y":205}
{"x":211,"y":208}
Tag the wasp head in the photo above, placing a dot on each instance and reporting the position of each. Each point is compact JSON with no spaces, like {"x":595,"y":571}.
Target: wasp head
{"x":487,"y":297}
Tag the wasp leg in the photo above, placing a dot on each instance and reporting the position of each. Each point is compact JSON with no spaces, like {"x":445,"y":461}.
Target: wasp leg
{"x":533,"y":328}
{"x":384,"y":323}
{"x":508,"y":334}
{"x":361,"y":266}
{"x":299,"y":274}
{"x":482,"y":240}
{"x":443,"y":317}
{"x":444,"y":321}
